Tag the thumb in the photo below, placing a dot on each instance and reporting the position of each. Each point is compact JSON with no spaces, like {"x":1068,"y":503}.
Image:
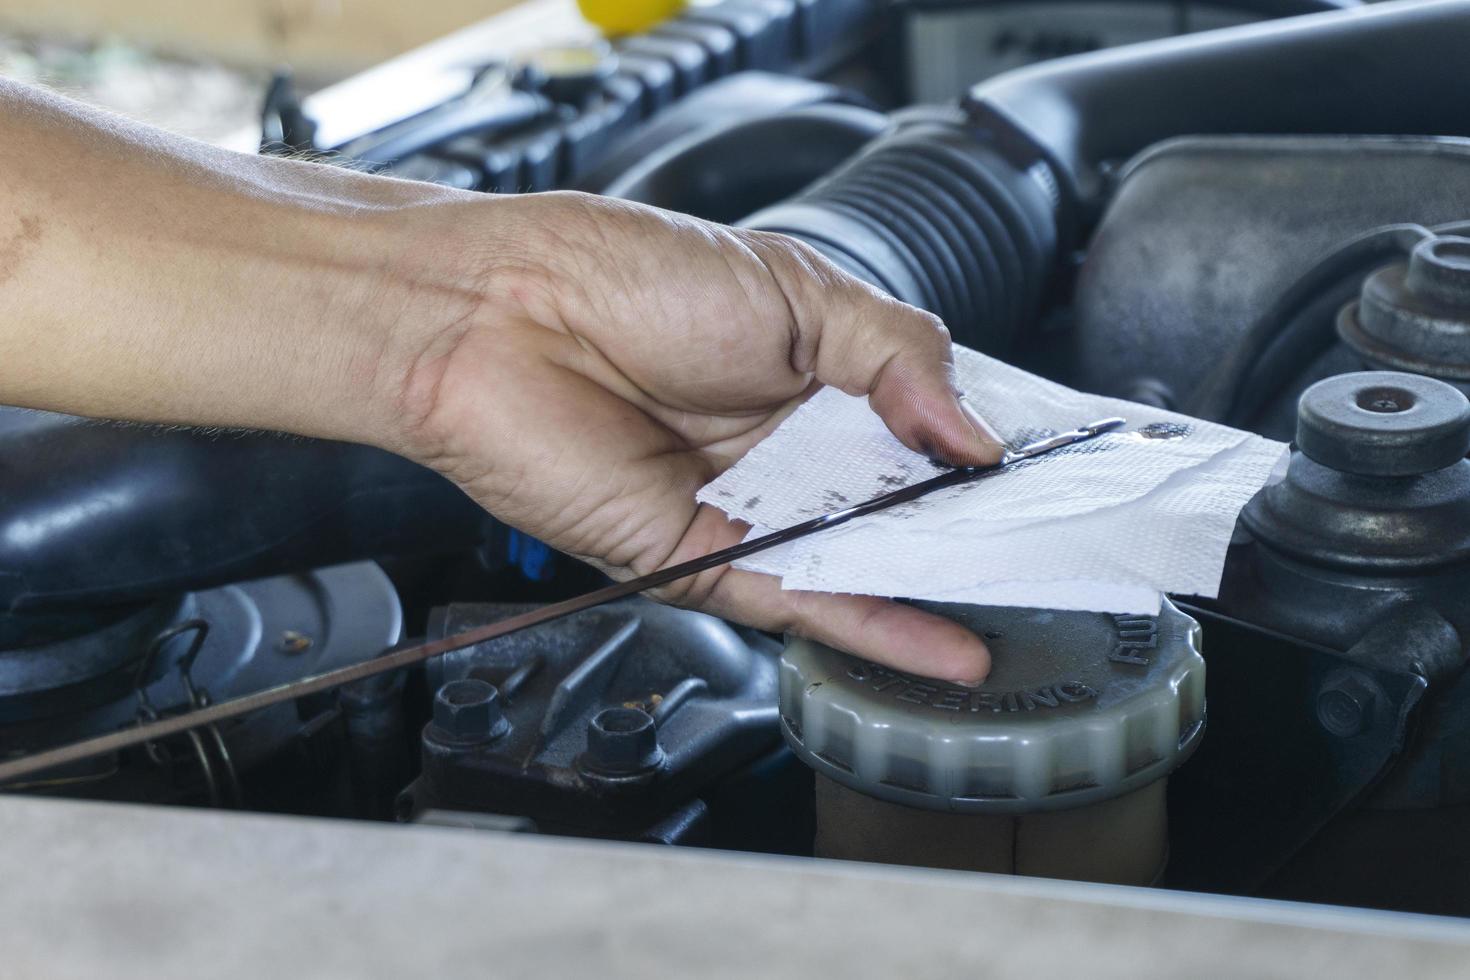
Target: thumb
{"x":854,"y":337}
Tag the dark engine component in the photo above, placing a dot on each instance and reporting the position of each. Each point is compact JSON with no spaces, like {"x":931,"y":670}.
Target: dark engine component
{"x":96,"y":519}
{"x":1379,"y":70}
{"x":1247,"y":246}
{"x":184,"y":653}
{"x":949,"y":46}
{"x":514,"y":130}
{"x":1414,"y":315}
{"x":1372,"y":518}
{"x":621,"y":721}
{"x":1033,"y":149}
{"x":1342,"y":611}
{"x":737,"y":145}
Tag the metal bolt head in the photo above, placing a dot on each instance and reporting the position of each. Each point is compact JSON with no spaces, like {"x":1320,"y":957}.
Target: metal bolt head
{"x":622,"y":741}
{"x":1414,"y":315}
{"x":294,"y":642}
{"x":1345,"y":704}
{"x":469,"y":710}
{"x":1439,"y":269}
{"x":1383,"y":423}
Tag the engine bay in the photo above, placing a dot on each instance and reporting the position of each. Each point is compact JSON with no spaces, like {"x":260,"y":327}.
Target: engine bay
{"x":1222,"y":209}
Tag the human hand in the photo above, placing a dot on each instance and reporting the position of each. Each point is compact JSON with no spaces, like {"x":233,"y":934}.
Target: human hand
{"x":579,"y":365}
{"x":614,"y":358}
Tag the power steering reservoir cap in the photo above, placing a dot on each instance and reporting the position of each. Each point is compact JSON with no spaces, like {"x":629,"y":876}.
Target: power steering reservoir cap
{"x":1079,"y":708}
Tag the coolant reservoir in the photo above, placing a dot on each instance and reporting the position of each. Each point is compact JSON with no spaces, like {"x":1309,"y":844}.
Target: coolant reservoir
{"x":1055,"y":766}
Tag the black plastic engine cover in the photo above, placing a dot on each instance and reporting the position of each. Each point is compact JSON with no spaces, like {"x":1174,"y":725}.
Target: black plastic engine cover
{"x":1205,"y":233}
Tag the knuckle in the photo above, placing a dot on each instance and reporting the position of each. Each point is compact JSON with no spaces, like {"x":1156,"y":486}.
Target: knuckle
{"x":782,"y":249}
{"x":915,"y":331}
{"x":689,"y":593}
{"x":773,"y":240}
{"x":926,"y":333}
{"x":932,"y":325}
{"x":799,"y":256}
{"x":796,"y":619}
{"x":807,"y":253}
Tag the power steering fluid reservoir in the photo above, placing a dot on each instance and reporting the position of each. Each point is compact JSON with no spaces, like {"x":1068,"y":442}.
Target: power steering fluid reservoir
{"x":1055,"y":766}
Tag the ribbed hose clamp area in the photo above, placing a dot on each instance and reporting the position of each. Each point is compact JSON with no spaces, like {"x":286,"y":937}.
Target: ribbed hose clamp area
{"x":935,"y":216}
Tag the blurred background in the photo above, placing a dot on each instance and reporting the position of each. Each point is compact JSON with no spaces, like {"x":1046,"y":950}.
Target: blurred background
{"x":140,"y":57}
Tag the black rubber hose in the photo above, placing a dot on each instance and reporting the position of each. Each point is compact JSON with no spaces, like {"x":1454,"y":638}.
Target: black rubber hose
{"x":1288,"y":8}
{"x":96,"y":516}
{"x":726,"y":174}
{"x":1391,"y":68}
{"x":938,"y":218}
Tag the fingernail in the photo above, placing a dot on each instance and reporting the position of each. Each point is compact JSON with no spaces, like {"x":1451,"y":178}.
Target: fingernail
{"x":970,"y":684}
{"x":982,"y":428}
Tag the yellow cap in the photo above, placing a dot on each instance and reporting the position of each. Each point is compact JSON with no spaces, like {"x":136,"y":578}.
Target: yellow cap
{"x":614,"y":17}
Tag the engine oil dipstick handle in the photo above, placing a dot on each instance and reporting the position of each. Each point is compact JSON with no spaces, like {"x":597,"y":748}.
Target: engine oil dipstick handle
{"x":396,"y":658}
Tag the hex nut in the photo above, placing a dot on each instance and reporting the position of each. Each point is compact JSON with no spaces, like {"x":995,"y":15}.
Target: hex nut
{"x":622,"y":741}
{"x":469,"y":710}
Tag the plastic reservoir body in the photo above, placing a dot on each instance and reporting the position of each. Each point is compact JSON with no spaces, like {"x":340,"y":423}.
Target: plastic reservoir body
{"x":1055,"y":766}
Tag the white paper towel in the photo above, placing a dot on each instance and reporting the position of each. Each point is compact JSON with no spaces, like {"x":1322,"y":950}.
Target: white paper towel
{"x":1107,"y":525}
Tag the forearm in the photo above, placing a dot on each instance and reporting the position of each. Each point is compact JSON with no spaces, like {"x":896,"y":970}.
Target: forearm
{"x":153,"y":278}
{"x":580,"y":366}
